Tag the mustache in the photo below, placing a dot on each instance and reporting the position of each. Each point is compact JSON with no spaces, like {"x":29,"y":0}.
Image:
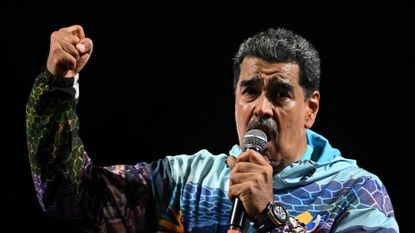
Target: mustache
{"x":268,"y":125}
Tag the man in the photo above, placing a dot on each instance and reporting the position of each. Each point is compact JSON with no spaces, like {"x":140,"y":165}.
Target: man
{"x":298,"y":183}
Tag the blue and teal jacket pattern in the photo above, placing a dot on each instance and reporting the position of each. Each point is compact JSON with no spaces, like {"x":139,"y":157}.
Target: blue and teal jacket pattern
{"x":340,"y":196}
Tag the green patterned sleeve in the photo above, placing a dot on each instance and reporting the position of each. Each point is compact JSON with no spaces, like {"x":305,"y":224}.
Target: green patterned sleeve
{"x":67,"y":183}
{"x":56,"y":152}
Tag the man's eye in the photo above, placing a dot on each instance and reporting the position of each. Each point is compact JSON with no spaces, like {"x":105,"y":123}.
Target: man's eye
{"x":280,"y":95}
{"x":250,"y":91}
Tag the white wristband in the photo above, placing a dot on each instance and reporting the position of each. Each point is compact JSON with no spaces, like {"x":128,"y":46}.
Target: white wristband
{"x":76,"y":85}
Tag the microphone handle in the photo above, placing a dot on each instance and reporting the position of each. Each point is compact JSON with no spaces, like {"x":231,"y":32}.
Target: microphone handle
{"x":238,"y":217}
{"x":257,"y":140}
{"x":238,"y":214}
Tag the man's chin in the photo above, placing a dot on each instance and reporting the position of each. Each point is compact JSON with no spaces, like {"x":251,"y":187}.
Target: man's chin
{"x":271,"y":158}
{"x":277,"y":166}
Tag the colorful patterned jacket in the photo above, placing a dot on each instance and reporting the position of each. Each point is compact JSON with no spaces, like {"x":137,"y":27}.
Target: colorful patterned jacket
{"x":185,"y":193}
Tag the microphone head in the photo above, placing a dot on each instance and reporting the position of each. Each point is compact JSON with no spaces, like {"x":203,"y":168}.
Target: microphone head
{"x":255,"y":139}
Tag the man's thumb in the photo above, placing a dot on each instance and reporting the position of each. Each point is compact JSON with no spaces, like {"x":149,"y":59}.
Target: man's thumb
{"x":82,"y":62}
{"x":84,"y":47}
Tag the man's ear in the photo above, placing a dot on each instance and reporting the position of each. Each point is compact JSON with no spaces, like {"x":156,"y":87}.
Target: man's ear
{"x":311,"y":109}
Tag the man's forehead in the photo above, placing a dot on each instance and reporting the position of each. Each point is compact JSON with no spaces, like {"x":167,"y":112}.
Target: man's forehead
{"x":257,"y":68}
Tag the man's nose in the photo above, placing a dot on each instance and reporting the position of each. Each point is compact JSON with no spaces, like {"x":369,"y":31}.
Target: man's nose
{"x":263,"y":106}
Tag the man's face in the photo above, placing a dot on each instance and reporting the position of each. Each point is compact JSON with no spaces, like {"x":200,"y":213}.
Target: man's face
{"x":269,"y":97}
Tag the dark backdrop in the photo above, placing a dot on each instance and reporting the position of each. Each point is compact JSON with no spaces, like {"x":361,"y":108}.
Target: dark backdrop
{"x":160,"y":82}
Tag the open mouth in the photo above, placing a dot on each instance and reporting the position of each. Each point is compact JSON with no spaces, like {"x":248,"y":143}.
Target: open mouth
{"x":267,"y":132}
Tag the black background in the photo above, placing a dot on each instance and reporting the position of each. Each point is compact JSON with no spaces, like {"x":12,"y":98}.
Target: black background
{"x":159,"y":83}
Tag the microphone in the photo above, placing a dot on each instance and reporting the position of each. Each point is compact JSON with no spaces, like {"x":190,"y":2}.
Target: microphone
{"x":254,"y":139}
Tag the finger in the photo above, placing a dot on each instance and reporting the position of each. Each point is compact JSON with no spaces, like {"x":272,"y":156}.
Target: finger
{"x":76,"y":30}
{"x":82,"y":62}
{"x":66,"y":60}
{"x":69,"y":48}
{"x":85,"y":46}
{"x":244,"y":156}
{"x":239,"y":190}
{"x":257,"y":158}
{"x":252,"y":156}
{"x":60,"y":61}
{"x":245,"y":167}
{"x":230,"y":161}
{"x":239,"y":178}
{"x":234,"y":191}
{"x":58,"y":37}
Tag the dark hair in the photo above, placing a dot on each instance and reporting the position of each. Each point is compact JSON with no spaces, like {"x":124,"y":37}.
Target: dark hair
{"x":281,"y":45}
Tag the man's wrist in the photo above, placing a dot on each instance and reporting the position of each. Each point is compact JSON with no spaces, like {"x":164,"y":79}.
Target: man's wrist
{"x":272,"y":216}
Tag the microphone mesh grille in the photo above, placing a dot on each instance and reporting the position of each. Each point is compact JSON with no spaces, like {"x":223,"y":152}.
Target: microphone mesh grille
{"x":255,"y":139}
